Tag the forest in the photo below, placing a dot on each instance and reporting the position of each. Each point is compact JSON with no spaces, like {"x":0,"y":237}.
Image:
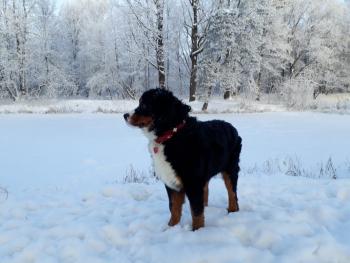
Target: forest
{"x":116,"y":49}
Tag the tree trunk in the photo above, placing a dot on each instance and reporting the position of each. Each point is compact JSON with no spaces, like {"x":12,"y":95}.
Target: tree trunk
{"x":206,"y":103}
{"x":227,"y":94}
{"x":160,"y":44}
{"x":179,"y":70}
{"x":257,"y":98}
{"x":205,"y":106}
{"x":194,"y":50}
{"x":20,"y":42}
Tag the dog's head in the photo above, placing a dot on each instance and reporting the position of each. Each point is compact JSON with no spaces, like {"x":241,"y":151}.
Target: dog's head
{"x":159,"y":110}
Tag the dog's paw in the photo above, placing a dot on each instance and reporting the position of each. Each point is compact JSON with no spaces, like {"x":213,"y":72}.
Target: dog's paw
{"x":233,"y":209}
{"x":167,"y":227}
{"x":173,"y":221}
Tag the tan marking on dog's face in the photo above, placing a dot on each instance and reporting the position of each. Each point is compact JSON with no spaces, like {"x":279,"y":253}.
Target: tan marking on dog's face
{"x":140,"y":121}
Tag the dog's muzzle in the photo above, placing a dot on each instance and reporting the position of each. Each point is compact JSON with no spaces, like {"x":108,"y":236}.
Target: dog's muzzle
{"x":126,"y":116}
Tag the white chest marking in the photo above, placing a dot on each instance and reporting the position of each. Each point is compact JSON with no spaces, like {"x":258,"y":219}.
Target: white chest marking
{"x":163,"y":169}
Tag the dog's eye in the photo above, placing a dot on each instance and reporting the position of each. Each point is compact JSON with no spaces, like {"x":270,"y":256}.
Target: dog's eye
{"x":142,"y":106}
{"x":141,"y":109}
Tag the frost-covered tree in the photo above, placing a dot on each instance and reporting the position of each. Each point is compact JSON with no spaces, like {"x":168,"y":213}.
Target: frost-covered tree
{"x":48,"y":75}
{"x":196,"y":25}
{"x":71,"y":20}
{"x":272,"y":48}
{"x":119,"y":48}
{"x":150,"y":19}
{"x":217,"y":62}
{"x":313,"y":37}
{"x":16,"y":19}
{"x":231,"y":53}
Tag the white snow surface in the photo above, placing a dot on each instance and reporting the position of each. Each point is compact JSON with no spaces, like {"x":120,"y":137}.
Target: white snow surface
{"x":331,"y":103}
{"x":67,"y":201}
{"x":216,"y":105}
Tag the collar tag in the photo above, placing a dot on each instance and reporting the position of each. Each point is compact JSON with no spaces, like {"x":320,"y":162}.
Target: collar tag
{"x":155,"y":149}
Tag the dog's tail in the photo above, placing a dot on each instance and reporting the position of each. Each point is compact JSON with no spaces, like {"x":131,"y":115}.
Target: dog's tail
{"x":233,"y":166}
{"x":239,"y":144}
{"x":238,"y":149}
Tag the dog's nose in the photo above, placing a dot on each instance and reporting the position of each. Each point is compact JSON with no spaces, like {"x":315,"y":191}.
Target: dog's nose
{"x":126,"y":116}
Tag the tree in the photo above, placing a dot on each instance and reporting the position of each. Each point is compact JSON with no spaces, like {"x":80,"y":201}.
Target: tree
{"x":151,"y":23}
{"x":313,"y":36}
{"x":196,"y":29}
{"x":16,"y":16}
{"x":71,"y":18}
{"x":47,"y":75}
{"x":231,"y":54}
{"x":119,"y":48}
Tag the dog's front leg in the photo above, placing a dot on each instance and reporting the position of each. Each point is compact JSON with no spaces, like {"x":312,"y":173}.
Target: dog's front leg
{"x":196,"y":198}
{"x":176,"y":200}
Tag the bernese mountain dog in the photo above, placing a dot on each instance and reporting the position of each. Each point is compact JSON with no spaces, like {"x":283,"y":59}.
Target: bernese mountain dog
{"x":186,"y":152}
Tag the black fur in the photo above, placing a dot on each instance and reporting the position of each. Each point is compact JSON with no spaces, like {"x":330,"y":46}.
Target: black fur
{"x":199,"y":151}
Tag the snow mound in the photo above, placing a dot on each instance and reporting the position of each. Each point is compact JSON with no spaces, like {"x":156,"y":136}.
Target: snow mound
{"x":282,"y":219}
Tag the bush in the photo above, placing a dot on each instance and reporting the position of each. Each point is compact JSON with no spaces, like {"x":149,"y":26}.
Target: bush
{"x":297,"y":93}
{"x":140,"y":177}
{"x":292,"y":166}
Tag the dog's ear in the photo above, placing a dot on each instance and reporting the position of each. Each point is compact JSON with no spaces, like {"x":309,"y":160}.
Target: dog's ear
{"x":188,"y":108}
{"x":169,"y":111}
{"x":182,"y":109}
{"x":179,"y":110}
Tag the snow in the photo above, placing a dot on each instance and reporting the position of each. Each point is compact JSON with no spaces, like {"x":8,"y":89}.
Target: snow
{"x":216,"y":105}
{"x":331,"y":103}
{"x":68,"y":200}
{"x":68,"y":106}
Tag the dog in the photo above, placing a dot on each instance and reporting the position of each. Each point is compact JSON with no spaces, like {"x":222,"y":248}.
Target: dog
{"x":187,"y":153}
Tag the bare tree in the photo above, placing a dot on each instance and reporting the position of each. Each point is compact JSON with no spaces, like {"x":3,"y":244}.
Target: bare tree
{"x":16,"y":17}
{"x":21,"y":11}
{"x":196,"y":28}
{"x":160,"y":42}
{"x":71,"y":17}
{"x":150,"y":18}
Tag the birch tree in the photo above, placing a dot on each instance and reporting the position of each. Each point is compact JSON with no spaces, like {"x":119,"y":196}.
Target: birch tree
{"x":151,"y":22}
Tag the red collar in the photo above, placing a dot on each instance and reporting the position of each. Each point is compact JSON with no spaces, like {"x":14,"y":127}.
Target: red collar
{"x":169,"y":134}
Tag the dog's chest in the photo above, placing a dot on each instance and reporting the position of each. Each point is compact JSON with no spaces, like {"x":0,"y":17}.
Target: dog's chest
{"x":163,"y":168}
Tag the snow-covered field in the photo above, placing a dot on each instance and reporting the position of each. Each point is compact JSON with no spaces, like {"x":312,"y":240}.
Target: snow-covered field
{"x":237,"y":105}
{"x":339,"y":103}
{"x":68,"y":200}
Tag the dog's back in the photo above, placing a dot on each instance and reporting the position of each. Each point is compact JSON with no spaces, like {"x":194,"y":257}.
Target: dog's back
{"x":224,"y":145}
{"x":204,"y":149}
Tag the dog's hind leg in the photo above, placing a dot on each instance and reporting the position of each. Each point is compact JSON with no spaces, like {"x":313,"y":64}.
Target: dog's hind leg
{"x":231,"y":186}
{"x":176,"y":200}
{"x":230,"y":177}
{"x":206,"y":194}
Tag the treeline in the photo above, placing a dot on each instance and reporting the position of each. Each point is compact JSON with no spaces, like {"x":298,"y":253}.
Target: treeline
{"x":119,"y":48}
